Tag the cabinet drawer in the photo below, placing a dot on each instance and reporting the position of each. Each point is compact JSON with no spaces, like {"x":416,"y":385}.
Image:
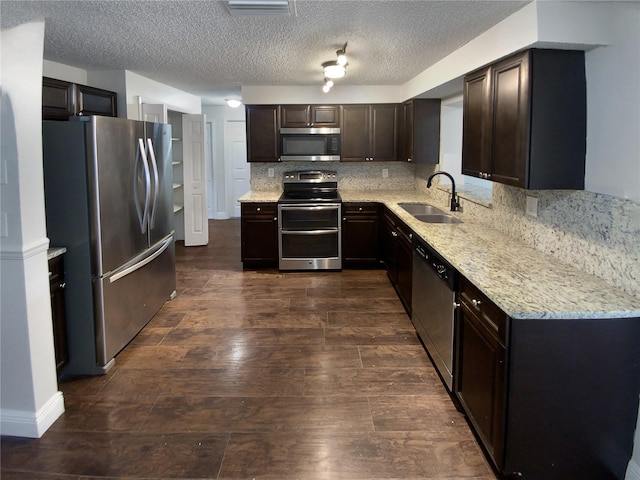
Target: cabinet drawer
{"x":259,"y":209}
{"x":491,"y":316}
{"x":360,"y":209}
{"x":55,"y":271}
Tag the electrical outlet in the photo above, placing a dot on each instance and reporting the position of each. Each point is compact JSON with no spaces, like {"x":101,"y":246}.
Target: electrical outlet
{"x":385,"y":173}
{"x":532,"y":206}
{"x":271,"y":172}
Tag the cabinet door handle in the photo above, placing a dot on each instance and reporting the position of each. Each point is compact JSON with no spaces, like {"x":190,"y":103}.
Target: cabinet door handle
{"x":456,"y":304}
{"x":275,"y":219}
{"x":395,"y":234}
{"x":344,"y":219}
{"x":258,"y":209}
{"x":476,"y":303}
{"x":360,"y":209}
{"x":63,"y":285}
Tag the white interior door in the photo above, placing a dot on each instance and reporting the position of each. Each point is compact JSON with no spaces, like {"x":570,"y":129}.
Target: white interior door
{"x":155,"y":113}
{"x":196,"y":230}
{"x":237,"y":167}
{"x":209,"y":149}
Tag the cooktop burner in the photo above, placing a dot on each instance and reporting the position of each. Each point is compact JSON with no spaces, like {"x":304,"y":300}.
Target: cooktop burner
{"x":310,"y":186}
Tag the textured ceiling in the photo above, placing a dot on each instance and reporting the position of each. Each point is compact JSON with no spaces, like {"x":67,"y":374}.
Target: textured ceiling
{"x":197,"y":46}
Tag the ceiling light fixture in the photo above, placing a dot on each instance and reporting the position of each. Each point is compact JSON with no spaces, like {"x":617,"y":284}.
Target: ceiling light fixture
{"x":233,"y":103}
{"x":335,"y":68}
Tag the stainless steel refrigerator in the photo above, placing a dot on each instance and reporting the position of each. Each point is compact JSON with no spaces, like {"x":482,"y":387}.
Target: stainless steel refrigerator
{"x":108,"y":193}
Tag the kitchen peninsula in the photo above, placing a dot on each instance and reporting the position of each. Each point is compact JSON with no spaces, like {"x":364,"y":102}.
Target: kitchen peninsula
{"x":550,"y":396}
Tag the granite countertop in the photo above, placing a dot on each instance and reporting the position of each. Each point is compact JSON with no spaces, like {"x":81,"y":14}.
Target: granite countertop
{"x":524,"y":282}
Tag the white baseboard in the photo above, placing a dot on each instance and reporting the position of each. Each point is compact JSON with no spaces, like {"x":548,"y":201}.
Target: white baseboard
{"x":20,"y":423}
{"x":633,"y":471}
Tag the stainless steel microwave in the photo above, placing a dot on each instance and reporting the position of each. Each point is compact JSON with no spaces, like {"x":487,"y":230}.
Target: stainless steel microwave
{"x":310,"y":144}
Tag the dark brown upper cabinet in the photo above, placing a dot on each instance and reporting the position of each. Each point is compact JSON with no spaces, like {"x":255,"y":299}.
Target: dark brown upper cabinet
{"x":525,"y":120}
{"x":57,"y":99}
{"x":420,"y":132}
{"x":262,"y":132}
{"x":95,"y":101}
{"x":369,"y":132}
{"x":62,"y":100}
{"x":306,"y":116}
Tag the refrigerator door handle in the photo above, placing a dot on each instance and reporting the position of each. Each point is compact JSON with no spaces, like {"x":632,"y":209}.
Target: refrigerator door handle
{"x":137,"y":263}
{"x":143,"y":215}
{"x":156,"y":183}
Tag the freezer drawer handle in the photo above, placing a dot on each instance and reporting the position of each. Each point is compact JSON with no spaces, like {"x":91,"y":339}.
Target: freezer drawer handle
{"x":127,"y":269}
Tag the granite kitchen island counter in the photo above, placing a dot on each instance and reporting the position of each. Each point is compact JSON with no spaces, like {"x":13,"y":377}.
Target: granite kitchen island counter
{"x":524,"y":282}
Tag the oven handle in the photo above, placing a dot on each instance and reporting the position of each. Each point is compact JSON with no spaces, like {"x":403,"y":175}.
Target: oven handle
{"x":326,"y":231}
{"x":309,"y":208}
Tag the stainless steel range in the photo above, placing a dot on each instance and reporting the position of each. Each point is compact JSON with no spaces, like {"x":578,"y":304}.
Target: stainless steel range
{"x":309,"y":213}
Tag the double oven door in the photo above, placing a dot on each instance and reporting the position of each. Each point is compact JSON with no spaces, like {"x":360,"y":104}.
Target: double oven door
{"x":309,"y":236}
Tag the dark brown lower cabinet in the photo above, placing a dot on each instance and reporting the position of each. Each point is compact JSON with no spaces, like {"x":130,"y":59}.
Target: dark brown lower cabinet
{"x":480,"y":376}
{"x":259,"y":234}
{"x":360,"y":235}
{"x":549,"y":399}
{"x":397,"y":255}
{"x":56,"y":287}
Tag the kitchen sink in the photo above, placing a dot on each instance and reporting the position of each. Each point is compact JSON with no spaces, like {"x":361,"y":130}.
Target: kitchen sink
{"x":421,"y":209}
{"x":428,"y":213}
{"x":437,"y":218}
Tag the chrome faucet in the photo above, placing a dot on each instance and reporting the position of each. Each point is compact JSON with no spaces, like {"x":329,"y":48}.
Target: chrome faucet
{"x":455,"y":205}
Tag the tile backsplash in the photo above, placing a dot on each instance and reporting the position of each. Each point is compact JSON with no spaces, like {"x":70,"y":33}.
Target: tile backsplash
{"x":351,"y":176}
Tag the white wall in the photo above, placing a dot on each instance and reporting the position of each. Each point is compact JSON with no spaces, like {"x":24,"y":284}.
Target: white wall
{"x":30,"y":400}
{"x":451,"y":138}
{"x":61,"y":71}
{"x":256,"y":95}
{"x":156,"y":92}
{"x":613,"y":107}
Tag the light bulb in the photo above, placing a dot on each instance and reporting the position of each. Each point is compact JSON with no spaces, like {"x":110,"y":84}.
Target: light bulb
{"x":328,"y":82}
{"x":342,"y":57}
{"x":326,"y":88}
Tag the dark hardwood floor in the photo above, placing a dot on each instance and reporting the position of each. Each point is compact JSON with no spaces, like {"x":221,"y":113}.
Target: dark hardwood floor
{"x":260,"y":375}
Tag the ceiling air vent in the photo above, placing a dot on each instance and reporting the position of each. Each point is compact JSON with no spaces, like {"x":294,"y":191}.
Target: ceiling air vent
{"x":260,"y":7}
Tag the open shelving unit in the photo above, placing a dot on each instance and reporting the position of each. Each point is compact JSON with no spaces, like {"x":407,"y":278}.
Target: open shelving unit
{"x":175,"y":119}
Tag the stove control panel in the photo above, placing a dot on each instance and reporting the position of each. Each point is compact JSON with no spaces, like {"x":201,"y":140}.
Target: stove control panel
{"x":310,"y":176}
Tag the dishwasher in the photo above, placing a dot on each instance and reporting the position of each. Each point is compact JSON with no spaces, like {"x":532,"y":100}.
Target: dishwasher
{"x":433,"y":306}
